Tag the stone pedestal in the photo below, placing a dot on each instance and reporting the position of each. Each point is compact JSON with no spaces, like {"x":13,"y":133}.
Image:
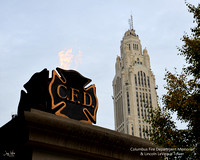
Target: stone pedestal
{"x":44,"y":136}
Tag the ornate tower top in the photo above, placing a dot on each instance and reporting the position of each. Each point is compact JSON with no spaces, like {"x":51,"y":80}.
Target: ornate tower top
{"x":131,"y":31}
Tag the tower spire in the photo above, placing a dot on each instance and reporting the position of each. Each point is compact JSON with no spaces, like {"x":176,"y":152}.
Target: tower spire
{"x":131,"y":23}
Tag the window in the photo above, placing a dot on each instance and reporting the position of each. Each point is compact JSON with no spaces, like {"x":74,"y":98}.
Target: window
{"x":140,"y":131}
{"x":141,"y":104}
{"x":135,"y":46}
{"x":142,"y":112}
{"x":143,"y":98}
{"x":145,"y":80}
{"x":138,"y":112}
{"x":132,"y":130}
{"x":138,"y":104}
{"x":128,"y":103}
{"x":129,"y":46}
{"x":147,"y":102}
{"x":135,"y":80}
{"x":150,"y":101}
{"x":144,"y":102}
{"x":139,"y":78}
{"x":144,"y":132}
{"x":147,"y":130}
{"x":148,"y":82}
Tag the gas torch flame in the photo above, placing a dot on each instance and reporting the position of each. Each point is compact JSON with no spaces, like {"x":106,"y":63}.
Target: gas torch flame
{"x":67,"y":59}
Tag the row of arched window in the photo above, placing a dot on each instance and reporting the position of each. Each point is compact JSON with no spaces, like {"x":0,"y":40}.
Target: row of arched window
{"x":143,"y":130}
{"x":144,"y":104}
{"x":142,"y":80}
{"x":135,"y":46}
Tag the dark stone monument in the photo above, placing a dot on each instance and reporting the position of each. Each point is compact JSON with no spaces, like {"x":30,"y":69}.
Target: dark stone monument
{"x":64,"y":95}
{"x":49,"y":124}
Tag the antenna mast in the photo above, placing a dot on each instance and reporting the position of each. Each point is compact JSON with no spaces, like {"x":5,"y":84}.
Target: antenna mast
{"x":131,"y":23}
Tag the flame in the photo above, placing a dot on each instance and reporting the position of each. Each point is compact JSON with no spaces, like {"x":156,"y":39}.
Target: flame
{"x":67,"y":59}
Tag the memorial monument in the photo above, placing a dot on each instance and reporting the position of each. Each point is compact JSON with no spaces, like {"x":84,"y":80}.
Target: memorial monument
{"x":54,"y":121}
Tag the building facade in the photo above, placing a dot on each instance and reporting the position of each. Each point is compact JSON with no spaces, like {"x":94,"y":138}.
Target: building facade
{"x":134,"y":88}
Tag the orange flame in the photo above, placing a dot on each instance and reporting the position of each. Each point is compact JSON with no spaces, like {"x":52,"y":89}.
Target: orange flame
{"x":67,"y":59}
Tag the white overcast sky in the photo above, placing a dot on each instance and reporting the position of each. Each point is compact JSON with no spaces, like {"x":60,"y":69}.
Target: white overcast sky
{"x":33,"y":32}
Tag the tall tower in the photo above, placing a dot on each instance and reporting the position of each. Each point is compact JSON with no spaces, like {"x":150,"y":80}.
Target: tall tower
{"x":134,"y":89}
